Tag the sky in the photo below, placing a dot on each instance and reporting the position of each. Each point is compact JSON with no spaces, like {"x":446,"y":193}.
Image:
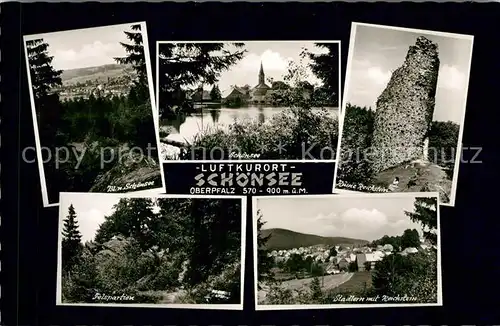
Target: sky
{"x":90,"y":209}
{"x":340,"y":215}
{"x":275,"y":56}
{"x":89,"y":47}
{"x":379,"y":51}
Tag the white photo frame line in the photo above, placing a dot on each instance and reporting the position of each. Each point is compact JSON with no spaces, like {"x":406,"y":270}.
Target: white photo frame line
{"x":239,"y":306}
{"x":341,"y":306}
{"x":250,"y":41}
{"x":352,"y":40}
{"x":38,"y":147}
{"x":41,"y":169}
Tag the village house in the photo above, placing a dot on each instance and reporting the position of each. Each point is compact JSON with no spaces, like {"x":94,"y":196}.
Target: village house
{"x":343,"y":263}
{"x":260,"y":94}
{"x":200,"y":95}
{"x":237,"y":93}
{"x":332,"y":269}
{"x":280,"y":259}
{"x":387,"y":248}
{"x":409,"y":250}
{"x":372,"y":258}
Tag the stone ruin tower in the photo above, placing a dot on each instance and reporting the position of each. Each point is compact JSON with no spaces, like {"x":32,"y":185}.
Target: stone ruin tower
{"x":405,"y":108}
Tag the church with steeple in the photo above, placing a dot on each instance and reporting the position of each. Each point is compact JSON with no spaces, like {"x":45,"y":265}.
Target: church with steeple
{"x":259,"y":92}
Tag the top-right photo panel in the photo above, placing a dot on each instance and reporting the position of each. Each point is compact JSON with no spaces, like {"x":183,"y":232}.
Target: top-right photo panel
{"x":403,"y":112}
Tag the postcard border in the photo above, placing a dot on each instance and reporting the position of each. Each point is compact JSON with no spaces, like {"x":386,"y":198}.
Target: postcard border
{"x":352,"y":39}
{"x":251,"y":41}
{"x":142,"y":305}
{"x":343,"y":305}
{"x":41,"y":169}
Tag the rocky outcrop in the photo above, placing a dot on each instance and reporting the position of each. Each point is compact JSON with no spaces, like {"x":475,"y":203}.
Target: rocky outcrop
{"x":405,"y":108}
{"x":133,"y":172}
{"x":418,"y":177}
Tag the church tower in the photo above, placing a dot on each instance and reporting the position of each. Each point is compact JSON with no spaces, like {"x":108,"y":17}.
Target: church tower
{"x":262,"y":77}
{"x":259,"y":92}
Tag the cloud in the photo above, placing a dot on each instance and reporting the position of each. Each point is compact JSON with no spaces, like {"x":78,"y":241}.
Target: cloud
{"x":324,"y":223}
{"x":275,"y":68}
{"x":89,"y":222}
{"x":361,"y":63}
{"x":378,"y":76}
{"x":388,"y":48}
{"x":354,"y":223}
{"x":272,"y":61}
{"x":365,"y":218}
{"x":328,"y":217}
{"x":366,"y":82}
{"x":400,"y":224}
{"x":450,"y":77}
{"x":93,"y":54}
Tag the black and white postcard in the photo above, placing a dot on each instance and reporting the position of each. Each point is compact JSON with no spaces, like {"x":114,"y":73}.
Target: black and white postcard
{"x":94,"y":112}
{"x":164,"y":251}
{"x":248,"y":100}
{"x":347,"y":251}
{"x":403,"y":112}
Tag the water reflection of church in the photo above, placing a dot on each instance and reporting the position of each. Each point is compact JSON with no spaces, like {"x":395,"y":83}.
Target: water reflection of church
{"x":259,"y":94}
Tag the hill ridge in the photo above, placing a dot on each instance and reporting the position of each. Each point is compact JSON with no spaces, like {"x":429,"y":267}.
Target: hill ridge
{"x":287,"y":239}
{"x":101,"y":73}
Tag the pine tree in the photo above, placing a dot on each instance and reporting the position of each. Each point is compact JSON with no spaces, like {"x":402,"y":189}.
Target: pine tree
{"x":425,"y":213}
{"x":263,"y":260}
{"x":188,"y":64}
{"x":215,"y":93}
{"x":71,"y":242}
{"x":43,"y":76}
{"x":137,"y":59}
{"x":333,"y":252}
{"x":326,"y":67}
{"x":135,"y":52}
{"x":43,"y":79}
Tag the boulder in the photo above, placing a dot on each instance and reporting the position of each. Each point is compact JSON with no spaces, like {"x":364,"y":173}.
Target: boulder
{"x":134,"y":169}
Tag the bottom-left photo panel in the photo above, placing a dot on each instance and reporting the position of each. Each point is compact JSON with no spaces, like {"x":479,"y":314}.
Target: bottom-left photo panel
{"x":170,"y":251}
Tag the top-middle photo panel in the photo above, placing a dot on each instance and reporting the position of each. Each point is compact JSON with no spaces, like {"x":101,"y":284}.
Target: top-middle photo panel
{"x":248,"y":100}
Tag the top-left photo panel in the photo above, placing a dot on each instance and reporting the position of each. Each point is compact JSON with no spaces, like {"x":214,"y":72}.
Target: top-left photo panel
{"x":94,"y":111}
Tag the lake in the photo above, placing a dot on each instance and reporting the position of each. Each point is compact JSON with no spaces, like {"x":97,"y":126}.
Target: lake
{"x":186,"y":127}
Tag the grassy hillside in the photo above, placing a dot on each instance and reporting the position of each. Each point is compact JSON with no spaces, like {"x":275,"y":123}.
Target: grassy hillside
{"x":101,"y":73}
{"x":286,"y":239}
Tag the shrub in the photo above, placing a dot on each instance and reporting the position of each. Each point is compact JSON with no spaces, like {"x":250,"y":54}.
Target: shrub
{"x":279,"y":295}
{"x":443,"y":141}
{"x":414,"y":275}
{"x":297,"y":130}
{"x":352,"y":267}
{"x":357,"y":134}
{"x":82,"y":282}
{"x":229,"y":280}
{"x":167,"y":276}
{"x":315,"y":287}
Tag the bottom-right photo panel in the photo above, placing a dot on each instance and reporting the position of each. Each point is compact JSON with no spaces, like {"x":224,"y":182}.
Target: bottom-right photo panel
{"x":347,"y":250}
